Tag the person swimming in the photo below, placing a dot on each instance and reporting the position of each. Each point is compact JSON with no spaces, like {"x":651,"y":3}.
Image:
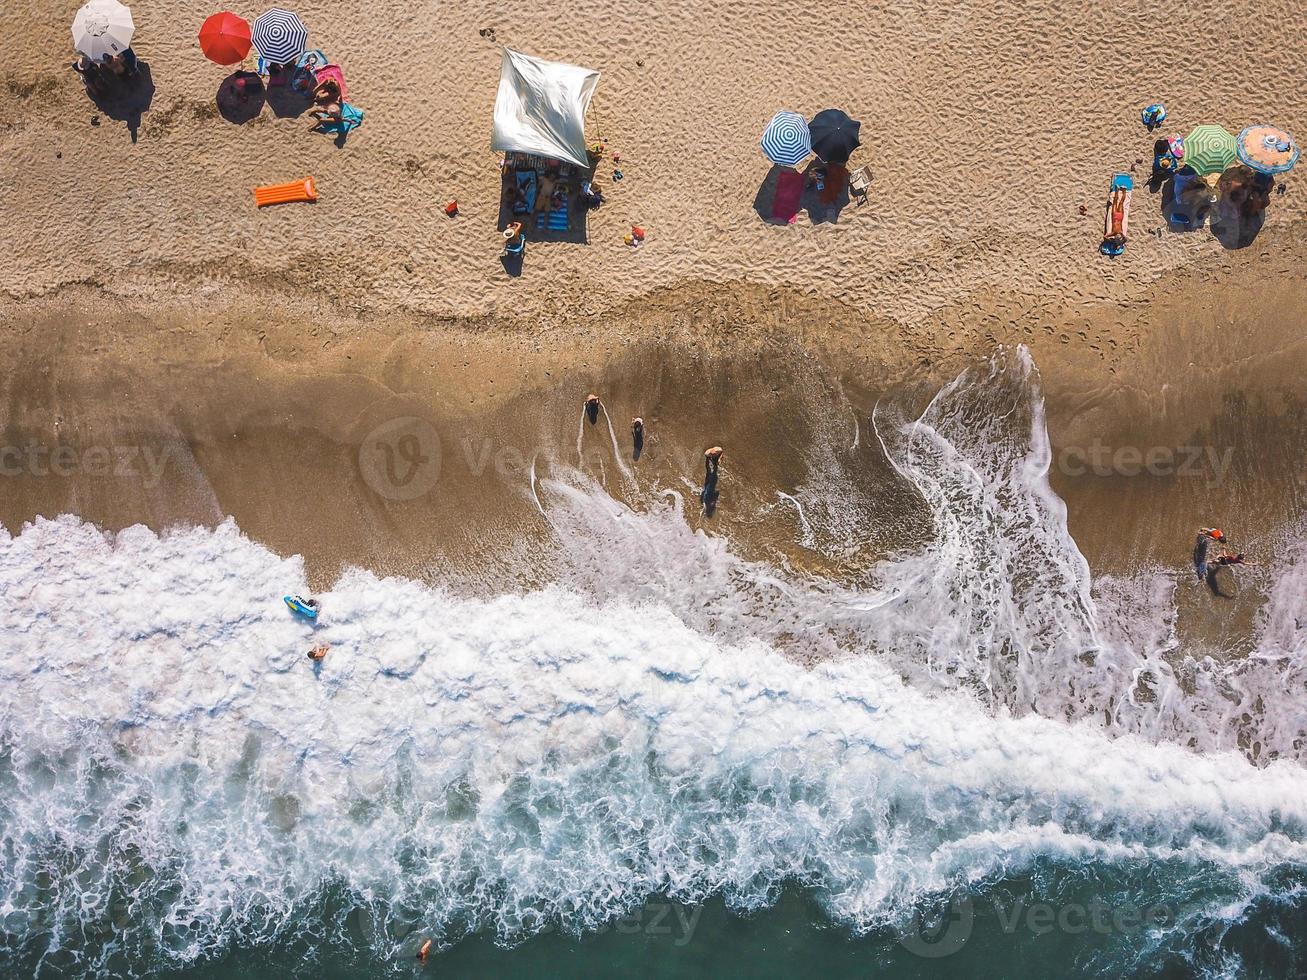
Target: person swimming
{"x":592,"y":406}
{"x":318,"y":652}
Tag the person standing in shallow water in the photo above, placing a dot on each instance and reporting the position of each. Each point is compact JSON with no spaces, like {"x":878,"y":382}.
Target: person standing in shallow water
{"x":592,"y":406}
{"x":712,"y":461}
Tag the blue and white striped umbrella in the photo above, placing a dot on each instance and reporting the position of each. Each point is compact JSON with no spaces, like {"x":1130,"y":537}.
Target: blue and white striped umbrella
{"x":280,"y":36}
{"x":786,"y":140}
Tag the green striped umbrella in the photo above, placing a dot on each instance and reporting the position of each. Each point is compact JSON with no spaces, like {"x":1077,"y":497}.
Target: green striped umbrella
{"x":1209,"y":149}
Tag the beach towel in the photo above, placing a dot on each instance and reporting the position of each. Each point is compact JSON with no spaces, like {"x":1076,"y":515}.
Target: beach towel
{"x":556,"y":220}
{"x":837,"y":177}
{"x":334,"y":73}
{"x":1116,"y":219}
{"x":526,"y":182}
{"x":351,"y":117}
{"x":312,"y":61}
{"x":789,"y":189}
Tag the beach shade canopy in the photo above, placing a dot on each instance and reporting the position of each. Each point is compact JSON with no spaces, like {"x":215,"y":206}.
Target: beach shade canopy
{"x":225,"y":38}
{"x":280,"y":36}
{"x":103,"y":27}
{"x":834,"y":135}
{"x":786,"y":140}
{"x":1209,"y":149}
{"x":1266,"y":149}
{"x":541,"y":108}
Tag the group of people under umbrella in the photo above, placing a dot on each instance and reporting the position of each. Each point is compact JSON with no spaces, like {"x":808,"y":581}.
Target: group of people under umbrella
{"x":789,"y":140}
{"x":102,"y":35}
{"x":1212,"y":173}
{"x":281,"y":40}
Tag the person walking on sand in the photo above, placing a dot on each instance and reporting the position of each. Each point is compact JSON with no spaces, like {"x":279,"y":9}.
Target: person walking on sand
{"x":592,"y":406}
{"x":637,"y":435}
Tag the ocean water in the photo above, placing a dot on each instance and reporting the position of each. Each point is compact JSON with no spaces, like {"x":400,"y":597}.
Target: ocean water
{"x":973,"y":760}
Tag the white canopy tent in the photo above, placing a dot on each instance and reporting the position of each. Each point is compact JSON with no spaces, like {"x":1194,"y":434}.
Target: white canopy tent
{"x":541,"y":107}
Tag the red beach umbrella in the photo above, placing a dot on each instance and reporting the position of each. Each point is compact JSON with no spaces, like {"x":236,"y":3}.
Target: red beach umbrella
{"x":225,"y":38}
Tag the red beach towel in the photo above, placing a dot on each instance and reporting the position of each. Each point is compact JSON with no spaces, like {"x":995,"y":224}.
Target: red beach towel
{"x":789,"y":188}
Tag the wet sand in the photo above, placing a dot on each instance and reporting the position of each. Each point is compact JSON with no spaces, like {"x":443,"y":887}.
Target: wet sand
{"x":1183,"y":409}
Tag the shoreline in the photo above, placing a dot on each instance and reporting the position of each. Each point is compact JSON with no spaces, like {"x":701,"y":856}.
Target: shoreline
{"x":258,"y":414}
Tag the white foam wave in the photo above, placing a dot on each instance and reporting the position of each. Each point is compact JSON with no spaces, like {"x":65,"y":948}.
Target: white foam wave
{"x":177,"y":776}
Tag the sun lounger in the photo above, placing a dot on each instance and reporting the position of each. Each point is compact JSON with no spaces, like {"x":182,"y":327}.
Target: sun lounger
{"x":1116,"y":220}
{"x":860,"y":184}
{"x":789,"y":189}
{"x":296,"y":190}
{"x":517,"y":249}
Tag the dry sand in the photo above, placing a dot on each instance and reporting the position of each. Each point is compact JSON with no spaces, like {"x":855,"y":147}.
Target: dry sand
{"x":149,"y":304}
{"x":986,"y":125}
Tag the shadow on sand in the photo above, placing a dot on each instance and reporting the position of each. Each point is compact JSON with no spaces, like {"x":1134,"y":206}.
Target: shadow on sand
{"x":1235,"y":227}
{"x":286,"y":101}
{"x":1189,"y":213}
{"x":125,"y":99}
{"x":819,"y":211}
{"x":240,"y":97}
{"x":512,"y":264}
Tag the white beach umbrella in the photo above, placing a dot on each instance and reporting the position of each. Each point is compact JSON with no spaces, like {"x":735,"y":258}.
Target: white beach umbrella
{"x":102,"y":27}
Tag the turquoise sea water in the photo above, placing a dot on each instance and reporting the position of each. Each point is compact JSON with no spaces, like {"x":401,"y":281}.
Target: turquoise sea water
{"x":1005,"y":933}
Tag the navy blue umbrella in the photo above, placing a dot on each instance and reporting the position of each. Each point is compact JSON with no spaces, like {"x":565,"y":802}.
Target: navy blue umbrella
{"x":834,"y":135}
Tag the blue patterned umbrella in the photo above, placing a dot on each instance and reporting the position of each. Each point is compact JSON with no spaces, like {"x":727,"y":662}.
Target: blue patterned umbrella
{"x":786,"y":140}
{"x":280,"y":36}
{"x":1266,"y":149}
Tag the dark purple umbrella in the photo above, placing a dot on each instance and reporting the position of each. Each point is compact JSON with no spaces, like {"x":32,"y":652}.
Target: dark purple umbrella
{"x":834,"y":135}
